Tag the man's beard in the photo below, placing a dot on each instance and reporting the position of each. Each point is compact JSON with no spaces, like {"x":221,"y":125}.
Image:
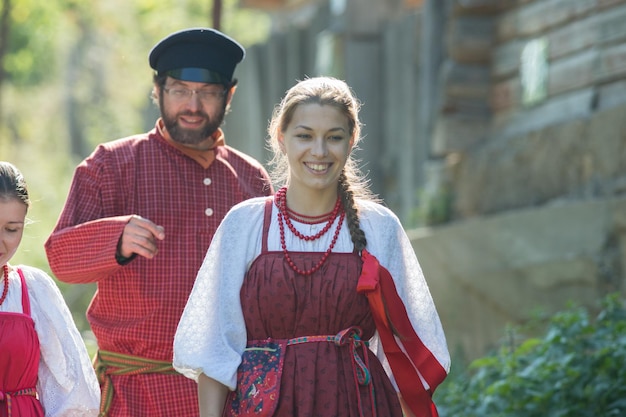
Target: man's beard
{"x":191,"y":136}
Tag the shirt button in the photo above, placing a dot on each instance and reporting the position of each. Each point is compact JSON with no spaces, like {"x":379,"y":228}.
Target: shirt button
{"x":208,"y":212}
{"x":207,"y":181}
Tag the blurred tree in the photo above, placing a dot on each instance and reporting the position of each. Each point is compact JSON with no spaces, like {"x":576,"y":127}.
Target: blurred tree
{"x":77,"y":63}
{"x":217,"y":14}
{"x":4,"y":43}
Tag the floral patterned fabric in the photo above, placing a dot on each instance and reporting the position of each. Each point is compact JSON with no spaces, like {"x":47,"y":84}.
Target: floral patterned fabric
{"x":258,"y":376}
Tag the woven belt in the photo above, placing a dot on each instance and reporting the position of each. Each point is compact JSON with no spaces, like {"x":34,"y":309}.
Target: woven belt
{"x":352,"y":338}
{"x":7,"y":397}
{"x":109,"y":363}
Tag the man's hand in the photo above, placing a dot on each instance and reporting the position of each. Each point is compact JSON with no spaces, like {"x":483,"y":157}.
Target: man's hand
{"x":139,"y":237}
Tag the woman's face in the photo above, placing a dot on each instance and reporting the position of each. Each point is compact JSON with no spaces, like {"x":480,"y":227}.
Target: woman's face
{"x":317,"y":143}
{"x":12,"y":219}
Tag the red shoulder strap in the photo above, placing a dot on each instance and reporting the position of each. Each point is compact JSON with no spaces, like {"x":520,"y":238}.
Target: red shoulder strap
{"x":25,"y":299}
{"x":386,"y":305}
{"x":267,"y":219}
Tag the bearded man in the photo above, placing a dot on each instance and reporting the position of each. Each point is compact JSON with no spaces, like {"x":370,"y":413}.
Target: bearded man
{"x":139,"y":218}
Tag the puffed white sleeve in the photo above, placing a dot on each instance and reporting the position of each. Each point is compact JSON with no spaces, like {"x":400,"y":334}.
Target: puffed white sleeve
{"x":67,"y":384}
{"x":388,"y":241}
{"x":211,"y":335}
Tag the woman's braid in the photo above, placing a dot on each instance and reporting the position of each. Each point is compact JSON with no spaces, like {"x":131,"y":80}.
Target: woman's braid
{"x":347,"y":200}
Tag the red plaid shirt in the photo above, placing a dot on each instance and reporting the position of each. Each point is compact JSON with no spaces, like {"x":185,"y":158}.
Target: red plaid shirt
{"x":137,"y":306}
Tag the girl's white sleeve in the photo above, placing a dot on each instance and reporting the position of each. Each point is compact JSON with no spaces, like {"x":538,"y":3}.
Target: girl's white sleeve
{"x":67,"y":383}
{"x":211,"y":334}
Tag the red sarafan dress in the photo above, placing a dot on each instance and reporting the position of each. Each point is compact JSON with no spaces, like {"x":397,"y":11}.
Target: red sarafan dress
{"x":319,"y":379}
{"x":19,"y":362}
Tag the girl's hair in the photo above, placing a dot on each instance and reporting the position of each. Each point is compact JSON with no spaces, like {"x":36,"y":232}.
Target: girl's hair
{"x":325,"y":91}
{"x":12,"y":184}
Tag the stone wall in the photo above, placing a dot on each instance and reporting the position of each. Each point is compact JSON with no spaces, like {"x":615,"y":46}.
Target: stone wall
{"x":502,"y":152}
{"x":536,"y":182}
{"x":488,"y":273}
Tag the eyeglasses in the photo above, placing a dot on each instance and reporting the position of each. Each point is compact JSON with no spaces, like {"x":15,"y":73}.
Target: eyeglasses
{"x":181,"y":94}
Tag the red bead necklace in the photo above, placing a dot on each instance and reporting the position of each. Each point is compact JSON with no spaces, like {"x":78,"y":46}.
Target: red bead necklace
{"x":5,"y":292}
{"x":281,"y":202}
{"x":283,"y":214}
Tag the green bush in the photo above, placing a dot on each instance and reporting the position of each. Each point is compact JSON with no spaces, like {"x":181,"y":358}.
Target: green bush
{"x":577,"y":369}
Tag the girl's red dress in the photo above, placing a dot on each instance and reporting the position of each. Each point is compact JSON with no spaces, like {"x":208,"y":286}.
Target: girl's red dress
{"x":19,"y":362}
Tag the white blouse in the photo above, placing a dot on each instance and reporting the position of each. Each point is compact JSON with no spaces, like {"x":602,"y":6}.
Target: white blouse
{"x":211,"y":335}
{"x":67,"y":383}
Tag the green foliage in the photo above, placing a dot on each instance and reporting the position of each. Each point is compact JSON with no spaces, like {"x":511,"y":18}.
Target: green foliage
{"x":435,"y":207}
{"x":32,"y":38}
{"x":578,"y":368}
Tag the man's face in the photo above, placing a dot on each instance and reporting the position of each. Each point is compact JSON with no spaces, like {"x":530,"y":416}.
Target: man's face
{"x":192,"y":111}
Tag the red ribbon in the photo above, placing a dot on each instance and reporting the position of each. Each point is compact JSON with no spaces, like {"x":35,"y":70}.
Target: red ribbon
{"x":386,"y":305}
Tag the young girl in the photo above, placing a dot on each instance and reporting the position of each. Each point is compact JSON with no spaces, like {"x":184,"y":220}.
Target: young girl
{"x":312,"y":303}
{"x":44,"y":366}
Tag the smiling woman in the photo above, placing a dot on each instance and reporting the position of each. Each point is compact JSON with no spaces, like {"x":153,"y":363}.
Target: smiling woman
{"x":304,"y":279}
{"x":44,"y":364}
{"x":317,"y":143}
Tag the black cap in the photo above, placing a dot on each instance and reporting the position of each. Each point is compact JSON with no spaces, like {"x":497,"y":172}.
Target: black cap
{"x":199,"y":54}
